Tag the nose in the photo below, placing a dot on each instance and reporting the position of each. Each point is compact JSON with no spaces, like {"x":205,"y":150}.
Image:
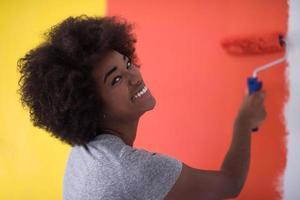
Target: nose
{"x":134,"y":79}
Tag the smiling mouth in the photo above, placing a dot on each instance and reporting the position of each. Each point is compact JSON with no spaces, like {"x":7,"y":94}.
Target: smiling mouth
{"x":140,"y":93}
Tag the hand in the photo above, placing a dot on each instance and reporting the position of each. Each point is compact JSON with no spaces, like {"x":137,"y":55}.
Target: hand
{"x":252,"y":111}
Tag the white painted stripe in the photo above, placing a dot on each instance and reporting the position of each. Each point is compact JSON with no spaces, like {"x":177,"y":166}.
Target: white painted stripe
{"x":291,"y":178}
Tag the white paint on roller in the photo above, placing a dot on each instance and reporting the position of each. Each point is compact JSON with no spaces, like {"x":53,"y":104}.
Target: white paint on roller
{"x":291,"y":178}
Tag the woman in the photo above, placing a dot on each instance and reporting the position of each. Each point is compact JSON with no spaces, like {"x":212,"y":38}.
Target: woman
{"x":83,"y":85}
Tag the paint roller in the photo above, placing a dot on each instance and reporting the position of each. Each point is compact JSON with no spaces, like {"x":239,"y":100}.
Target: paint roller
{"x":256,"y":45}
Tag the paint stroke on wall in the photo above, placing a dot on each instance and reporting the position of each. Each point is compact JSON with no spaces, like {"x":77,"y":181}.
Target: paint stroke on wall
{"x":291,"y":177}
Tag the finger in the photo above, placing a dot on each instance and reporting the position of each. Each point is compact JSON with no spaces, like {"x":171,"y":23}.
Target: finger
{"x":260,"y":95}
{"x":257,"y":95}
{"x":263,"y":94}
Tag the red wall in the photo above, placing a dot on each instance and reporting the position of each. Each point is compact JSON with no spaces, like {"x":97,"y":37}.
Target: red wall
{"x":199,"y":88}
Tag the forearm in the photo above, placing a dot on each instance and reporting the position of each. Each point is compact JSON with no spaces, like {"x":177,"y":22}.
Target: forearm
{"x":237,"y":160}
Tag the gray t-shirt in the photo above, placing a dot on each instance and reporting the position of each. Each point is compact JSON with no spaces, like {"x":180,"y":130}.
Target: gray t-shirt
{"x":108,"y":169}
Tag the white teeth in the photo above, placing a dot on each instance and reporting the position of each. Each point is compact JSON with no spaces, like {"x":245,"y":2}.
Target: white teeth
{"x":143,"y":91}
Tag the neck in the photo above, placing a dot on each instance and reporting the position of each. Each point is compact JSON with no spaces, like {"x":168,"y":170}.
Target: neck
{"x":125,"y":130}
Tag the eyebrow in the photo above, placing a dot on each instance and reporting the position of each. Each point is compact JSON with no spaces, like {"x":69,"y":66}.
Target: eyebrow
{"x":112,"y":70}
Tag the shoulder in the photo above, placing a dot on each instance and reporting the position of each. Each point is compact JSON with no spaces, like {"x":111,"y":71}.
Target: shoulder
{"x":147,"y":161}
{"x":148,"y":175}
{"x":95,"y":170}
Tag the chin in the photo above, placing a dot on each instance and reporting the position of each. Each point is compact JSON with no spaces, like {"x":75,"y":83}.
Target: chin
{"x":149,"y":106}
{"x":152,"y":103}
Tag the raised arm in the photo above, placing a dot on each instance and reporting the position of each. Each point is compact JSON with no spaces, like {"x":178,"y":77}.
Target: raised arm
{"x":229,"y":180}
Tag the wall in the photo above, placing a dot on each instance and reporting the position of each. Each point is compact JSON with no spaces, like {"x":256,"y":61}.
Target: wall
{"x":199,"y":87}
{"x":31,"y":162}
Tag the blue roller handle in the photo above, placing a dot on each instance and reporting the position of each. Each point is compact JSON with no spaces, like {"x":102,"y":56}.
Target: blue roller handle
{"x":253,"y":86}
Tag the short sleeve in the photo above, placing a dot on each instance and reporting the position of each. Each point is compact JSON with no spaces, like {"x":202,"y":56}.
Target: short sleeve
{"x":148,"y":175}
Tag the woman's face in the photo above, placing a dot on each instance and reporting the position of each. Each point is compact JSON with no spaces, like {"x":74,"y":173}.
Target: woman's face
{"x":119,"y":81}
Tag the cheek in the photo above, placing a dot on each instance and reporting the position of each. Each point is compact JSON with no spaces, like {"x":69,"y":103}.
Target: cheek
{"x":119,"y":99}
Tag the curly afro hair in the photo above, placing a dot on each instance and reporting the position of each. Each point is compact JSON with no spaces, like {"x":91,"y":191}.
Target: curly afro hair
{"x":56,"y":82}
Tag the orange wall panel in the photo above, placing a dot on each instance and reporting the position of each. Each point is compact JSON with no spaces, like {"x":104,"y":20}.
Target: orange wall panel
{"x":199,"y":87}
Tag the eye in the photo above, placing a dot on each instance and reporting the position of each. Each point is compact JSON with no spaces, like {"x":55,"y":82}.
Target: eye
{"x":129,"y":64}
{"x":114,"y":81}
